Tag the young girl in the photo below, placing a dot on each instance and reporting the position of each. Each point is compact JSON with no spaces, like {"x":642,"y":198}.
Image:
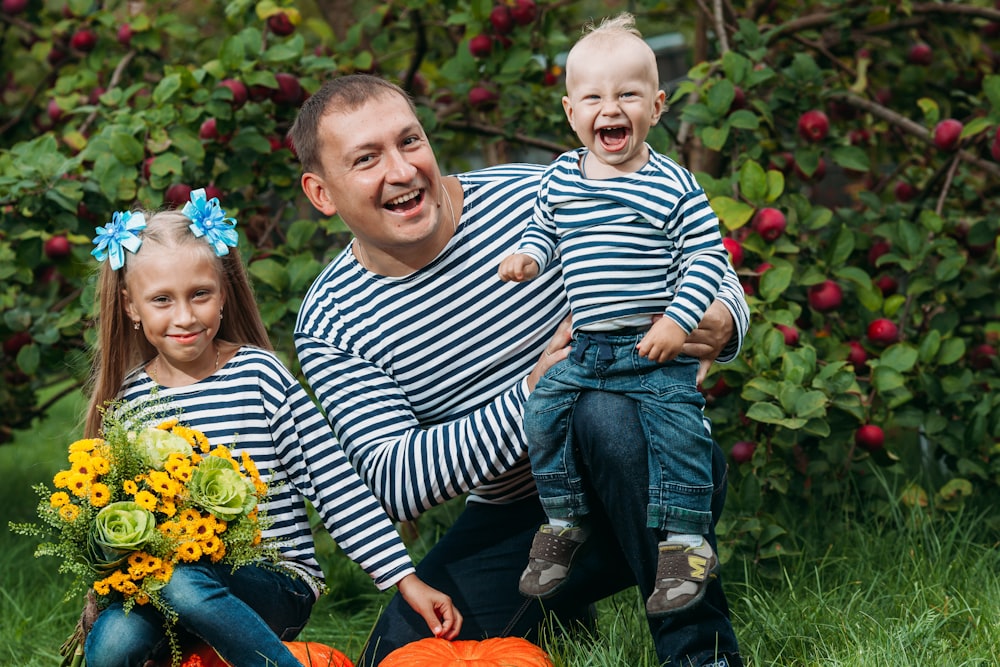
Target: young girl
{"x":179,"y":325}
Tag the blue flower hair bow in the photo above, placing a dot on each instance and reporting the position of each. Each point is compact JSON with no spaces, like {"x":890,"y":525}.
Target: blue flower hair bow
{"x":209,"y":220}
{"x":117,"y":236}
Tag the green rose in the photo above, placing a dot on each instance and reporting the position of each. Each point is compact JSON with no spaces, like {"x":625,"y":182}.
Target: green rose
{"x":154,"y":445}
{"x":219,"y":489}
{"x":120,"y":528}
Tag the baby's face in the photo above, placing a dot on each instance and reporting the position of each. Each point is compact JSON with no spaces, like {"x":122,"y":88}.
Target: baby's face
{"x":612,"y":99}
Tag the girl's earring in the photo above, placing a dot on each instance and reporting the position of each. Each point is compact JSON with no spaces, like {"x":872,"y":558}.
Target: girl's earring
{"x":220,"y":313}
{"x":136,"y":325}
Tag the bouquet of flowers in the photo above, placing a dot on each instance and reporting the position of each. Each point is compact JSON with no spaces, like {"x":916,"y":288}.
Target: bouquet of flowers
{"x":136,"y":503}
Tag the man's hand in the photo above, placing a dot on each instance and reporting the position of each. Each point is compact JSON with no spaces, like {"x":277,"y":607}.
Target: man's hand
{"x":555,"y":351}
{"x":712,"y":335}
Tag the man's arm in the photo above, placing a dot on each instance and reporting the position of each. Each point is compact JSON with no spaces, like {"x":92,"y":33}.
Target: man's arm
{"x":719,"y":336}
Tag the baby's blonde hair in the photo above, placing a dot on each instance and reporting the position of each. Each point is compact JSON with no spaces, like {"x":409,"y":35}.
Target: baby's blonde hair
{"x":622,"y":23}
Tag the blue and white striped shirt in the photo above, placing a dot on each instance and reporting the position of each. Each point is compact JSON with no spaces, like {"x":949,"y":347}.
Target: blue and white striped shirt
{"x":424,"y":377}
{"x":641,"y":244}
{"x":254,"y":404}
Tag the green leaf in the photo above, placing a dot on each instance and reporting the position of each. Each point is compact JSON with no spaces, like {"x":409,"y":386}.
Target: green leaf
{"x":810,"y":404}
{"x":743,"y":119}
{"x":951,"y":351}
{"x":714,"y":138}
{"x":733,"y":214}
{"x":991,"y":86}
{"x":735,"y":66}
{"x":300,"y":233}
{"x":775,"y":185}
{"x":270,"y":273}
{"x":901,"y":357}
{"x":166,"y":89}
{"x":929,"y":346}
{"x":698,"y":114}
{"x":886,"y":379}
{"x":774,"y":282}
{"x":767,"y":413}
{"x":28,"y":358}
{"x":231,"y":54}
{"x":949,"y":268}
{"x":851,"y":157}
{"x":753,"y":182}
{"x":720,"y":97}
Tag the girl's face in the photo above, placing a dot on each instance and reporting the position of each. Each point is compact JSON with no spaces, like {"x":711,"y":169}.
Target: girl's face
{"x":177,"y":295}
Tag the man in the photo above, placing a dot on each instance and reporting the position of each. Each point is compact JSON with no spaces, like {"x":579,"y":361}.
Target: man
{"x":422,"y":360}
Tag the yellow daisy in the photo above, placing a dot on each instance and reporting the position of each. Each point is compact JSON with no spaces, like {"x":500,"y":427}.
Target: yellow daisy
{"x":58,"y":499}
{"x":100,"y":495}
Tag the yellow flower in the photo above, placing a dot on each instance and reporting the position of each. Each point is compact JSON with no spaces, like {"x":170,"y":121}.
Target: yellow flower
{"x":171,"y":529}
{"x":202,"y":529}
{"x":195,"y":438}
{"x":58,"y":499}
{"x":130,"y":487}
{"x":189,"y":551}
{"x":162,"y":484}
{"x":85,"y":445}
{"x":141,"y":597}
{"x":79,"y":485}
{"x":168,"y":424}
{"x":103,"y":587}
{"x":146,"y":500}
{"x":61,"y":480}
{"x":211,"y":545}
{"x":100,"y":495}
{"x":69,"y":512}
{"x":101,"y":465}
{"x":167,"y":508}
{"x":189,"y":515}
{"x":216,"y":556}
{"x":165,"y":571}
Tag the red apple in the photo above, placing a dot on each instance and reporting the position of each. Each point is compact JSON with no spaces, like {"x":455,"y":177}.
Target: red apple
{"x":870,"y":437}
{"x":886,"y":284}
{"x":826,"y":296}
{"x":524,"y":11}
{"x":814,"y":125}
{"x":57,"y":247}
{"x":904,"y":192}
{"x":239,"y":90}
{"x":84,"y":40}
{"x":209,"y":129}
{"x":212,"y":191}
{"x":17,"y":340}
{"x":857,"y":356}
{"x":859,"y":136}
{"x":769,"y":223}
{"x":878,"y":249}
{"x":735,"y":251}
{"x":54,"y":111}
{"x":719,"y":389}
{"x":920,"y":54}
{"x":739,"y":100}
{"x":742,"y":451}
{"x":501,"y":19}
{"x":947,"y":134}
{"x":289,"y":91}
{"x":791,"y":334}
{"x":14,"y":7}
{"x":883,"y":331}
{"x":480,"y":46}
{"x":995,"y":146}
{"x":483,"y":97}
{"x":981,"y":356}
{"x":280,"y":24}
{"x":147,"y":165}
{"x":125,"y":35}
{"x":177,"y":194}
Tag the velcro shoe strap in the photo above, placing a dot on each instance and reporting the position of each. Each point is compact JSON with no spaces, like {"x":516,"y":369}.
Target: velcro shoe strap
{"x":553,"y":548}
{"x":686,"y":565}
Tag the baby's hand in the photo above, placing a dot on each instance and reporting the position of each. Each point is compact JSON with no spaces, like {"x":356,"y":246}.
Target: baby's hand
{"x":518,"y":268}
{"x":663,"y":341}
{"x":435,"y":607}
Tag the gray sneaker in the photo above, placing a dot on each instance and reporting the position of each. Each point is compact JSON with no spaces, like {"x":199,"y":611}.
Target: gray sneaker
{"x":682,"y":576}
{"x":552,"y":552}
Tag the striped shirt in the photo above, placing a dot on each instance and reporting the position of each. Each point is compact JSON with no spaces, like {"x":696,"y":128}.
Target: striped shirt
{"x":254,"y":404}
{"x":636,"y":245}
{"x":424,"y":377}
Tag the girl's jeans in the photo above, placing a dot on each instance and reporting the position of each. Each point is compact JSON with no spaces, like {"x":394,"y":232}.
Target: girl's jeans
{"x":679,"y":450}
{"x":481,"y":556}
{"x":244,"y":615}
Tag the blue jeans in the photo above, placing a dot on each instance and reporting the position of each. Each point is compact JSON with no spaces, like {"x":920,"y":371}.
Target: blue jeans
{"x":244,"y":615}
{"x":670,"y":414}
{"x":479,"y":559}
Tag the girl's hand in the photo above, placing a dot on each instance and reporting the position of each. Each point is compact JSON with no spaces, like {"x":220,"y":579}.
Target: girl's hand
{"x":435,"y":607}
{"x":555,"y":351}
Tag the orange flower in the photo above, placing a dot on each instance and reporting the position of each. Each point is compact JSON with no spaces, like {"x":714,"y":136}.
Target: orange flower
{"x":189,"y":551}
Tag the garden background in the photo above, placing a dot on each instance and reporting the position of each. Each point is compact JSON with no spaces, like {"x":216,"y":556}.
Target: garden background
{"x":851,"y":151}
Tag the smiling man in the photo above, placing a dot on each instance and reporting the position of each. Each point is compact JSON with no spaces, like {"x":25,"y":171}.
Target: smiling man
{"x":422,"y":359}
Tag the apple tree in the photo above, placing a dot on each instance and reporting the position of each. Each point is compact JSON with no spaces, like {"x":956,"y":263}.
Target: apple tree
{"x":851,"y":151}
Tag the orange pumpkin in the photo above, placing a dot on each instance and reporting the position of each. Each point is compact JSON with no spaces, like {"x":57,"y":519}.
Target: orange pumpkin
{"x":497,"y":652}
{"x":310,"y":654}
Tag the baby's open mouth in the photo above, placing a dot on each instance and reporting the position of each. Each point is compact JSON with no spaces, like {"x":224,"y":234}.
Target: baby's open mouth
{"x":613,"y":138}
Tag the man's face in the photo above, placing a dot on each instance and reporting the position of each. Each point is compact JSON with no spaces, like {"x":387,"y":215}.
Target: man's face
{"x":379,"y":173}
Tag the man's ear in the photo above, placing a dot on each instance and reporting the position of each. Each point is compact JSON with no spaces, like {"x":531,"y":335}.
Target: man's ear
{"x":318,"y":194}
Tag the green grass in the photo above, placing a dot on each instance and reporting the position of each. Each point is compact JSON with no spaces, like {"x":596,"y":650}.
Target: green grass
{"x":899,"y":592}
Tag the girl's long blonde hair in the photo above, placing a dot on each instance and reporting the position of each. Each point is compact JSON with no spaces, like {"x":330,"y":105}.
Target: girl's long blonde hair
{"x":120,"y":348}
